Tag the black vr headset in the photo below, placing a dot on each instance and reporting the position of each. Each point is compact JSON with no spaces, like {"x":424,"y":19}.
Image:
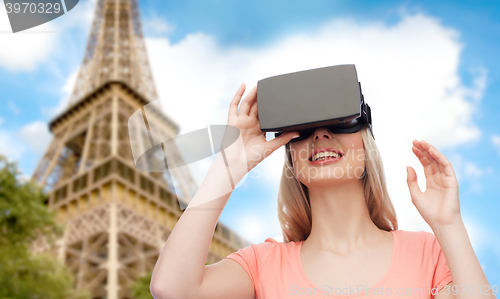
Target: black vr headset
{"x":303,"y":101}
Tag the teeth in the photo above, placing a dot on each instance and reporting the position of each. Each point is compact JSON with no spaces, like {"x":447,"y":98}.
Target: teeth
{"x":325,"y":155}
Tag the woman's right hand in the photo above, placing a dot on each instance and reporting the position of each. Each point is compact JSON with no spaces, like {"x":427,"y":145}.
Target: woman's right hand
{"x":254,"y":147}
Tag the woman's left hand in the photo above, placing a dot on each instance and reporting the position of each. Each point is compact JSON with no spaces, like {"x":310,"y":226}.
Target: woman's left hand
{"x":439,"y":204}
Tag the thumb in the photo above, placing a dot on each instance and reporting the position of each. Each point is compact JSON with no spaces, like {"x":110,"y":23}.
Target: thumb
{"x":281,"y":140}
{"x":411,"y":179}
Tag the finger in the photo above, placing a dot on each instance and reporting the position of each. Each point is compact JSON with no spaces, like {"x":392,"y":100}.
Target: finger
{"x":254,"y":111}
{"x":233,"y":107}
{"x":426,"y":147}
{"x":445,"y":165}
{"x":279,"y":141}
{"x":247,"y":101}
{"x":411,"y":179}
{"x":433,"y":163}
{"x":423,"y":160}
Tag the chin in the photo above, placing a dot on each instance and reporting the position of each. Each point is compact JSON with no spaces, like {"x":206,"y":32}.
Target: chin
{"x":321,"y":183}
{"x":325,"y":180}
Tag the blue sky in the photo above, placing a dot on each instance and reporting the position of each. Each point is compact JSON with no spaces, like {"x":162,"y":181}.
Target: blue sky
{"x":436,"y":61}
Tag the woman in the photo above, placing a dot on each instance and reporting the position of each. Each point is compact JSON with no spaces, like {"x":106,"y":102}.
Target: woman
{"x":339,"y":226}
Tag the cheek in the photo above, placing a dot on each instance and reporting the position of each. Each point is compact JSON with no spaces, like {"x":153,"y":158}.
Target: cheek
{"x":356,"y":153}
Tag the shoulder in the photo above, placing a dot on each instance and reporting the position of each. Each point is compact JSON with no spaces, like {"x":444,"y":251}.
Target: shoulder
{"x":259,"y":250}
{"x":419,"y":243}
{"x":268,"y":244}
{"x":415,"y":237}
{"x":271,"y":247}
{"x":257,"y":255}
{"x":272,"y":243}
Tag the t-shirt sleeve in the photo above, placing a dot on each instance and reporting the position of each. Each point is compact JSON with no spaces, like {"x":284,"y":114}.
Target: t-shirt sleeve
{"x":253,"y":257}
{"x":442,"y":274}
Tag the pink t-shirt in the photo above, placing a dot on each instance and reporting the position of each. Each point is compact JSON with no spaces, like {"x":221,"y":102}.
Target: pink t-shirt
{"x":418,"y":269}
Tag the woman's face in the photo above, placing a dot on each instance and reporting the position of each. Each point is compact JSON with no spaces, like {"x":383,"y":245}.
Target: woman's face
{"x":316,"y":163}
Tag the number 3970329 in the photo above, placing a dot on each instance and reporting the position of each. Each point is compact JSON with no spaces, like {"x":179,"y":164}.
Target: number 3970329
{"x":33,"y":7}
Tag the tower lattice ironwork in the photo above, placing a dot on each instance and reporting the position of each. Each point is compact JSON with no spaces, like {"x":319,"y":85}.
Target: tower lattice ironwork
{"x":115,"y":51}
{"x":116,"y":217}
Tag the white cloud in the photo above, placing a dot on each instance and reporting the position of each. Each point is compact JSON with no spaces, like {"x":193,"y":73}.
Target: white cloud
{"x":408,"y":72}
{"x":480,"y":83}
{"x":472,"y":170}
{"x":156,"y":25}
{"x":279,"y":237}
{"x":457,"y":162}
{"x":476,"y":187}
{"x":31,"y":138}
{"x":10,"y":146}
{"x":36,"y":136}
{"x":24,"y":51}
{"x":252,"y":227}
{"x":65,"y":91}
{"x":479,"y":236}
{"x":468,"y":172}
{"x":464,"y":169}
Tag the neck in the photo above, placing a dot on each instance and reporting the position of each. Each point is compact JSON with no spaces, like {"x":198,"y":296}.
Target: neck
{"x":340,"y":218}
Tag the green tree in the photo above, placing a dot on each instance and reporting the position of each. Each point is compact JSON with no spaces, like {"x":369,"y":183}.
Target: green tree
{"x":140,"y":288}
{"x":23,"y":218}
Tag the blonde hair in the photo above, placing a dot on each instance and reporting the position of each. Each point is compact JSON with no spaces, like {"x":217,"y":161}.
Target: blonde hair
{"x":294,"y":210}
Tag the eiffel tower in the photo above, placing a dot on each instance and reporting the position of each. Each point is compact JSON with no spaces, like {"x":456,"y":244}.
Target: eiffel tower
{"x":116,"y":217}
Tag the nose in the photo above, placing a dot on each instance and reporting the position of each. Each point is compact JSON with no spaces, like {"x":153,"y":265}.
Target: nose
{"x":322,"y":133}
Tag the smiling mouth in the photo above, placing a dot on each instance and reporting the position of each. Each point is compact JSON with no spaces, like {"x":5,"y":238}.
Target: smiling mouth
{"x":324,"y":155}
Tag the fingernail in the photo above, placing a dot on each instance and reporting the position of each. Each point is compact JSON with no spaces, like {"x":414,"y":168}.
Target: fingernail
{"x":407,"y":170}
{"x":295,"y":136}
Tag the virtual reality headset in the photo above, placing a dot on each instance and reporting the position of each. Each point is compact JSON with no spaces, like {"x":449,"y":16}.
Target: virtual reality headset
{"x":328,"y":97}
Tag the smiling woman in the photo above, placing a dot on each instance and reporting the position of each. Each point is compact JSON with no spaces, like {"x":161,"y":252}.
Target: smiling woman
{"x":340,"y":232}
